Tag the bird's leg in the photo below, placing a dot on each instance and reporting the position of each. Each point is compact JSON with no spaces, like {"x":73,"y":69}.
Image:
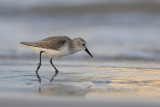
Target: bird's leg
{"x":39,"y":65}
{"x":56,"y":71}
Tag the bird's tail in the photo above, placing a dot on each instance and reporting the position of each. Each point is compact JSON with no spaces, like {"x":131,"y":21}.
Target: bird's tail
{"x":24,"y":43}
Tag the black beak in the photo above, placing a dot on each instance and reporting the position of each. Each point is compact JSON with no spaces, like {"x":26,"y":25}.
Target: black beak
{"x":88,"y":52}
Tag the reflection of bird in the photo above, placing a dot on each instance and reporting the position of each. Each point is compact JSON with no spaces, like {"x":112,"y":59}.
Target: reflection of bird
{"x":56,"y":47}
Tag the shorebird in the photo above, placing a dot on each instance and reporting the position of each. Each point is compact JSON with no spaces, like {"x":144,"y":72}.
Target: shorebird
{"x":57,"y":46}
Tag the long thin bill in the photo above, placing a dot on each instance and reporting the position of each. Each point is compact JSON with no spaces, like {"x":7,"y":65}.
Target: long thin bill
{"x":88,"y":52}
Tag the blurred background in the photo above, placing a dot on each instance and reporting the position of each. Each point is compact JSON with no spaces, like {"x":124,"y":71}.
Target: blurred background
{"x":114,"y":29}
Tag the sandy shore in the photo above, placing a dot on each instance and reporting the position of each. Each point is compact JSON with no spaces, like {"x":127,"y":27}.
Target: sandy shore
{"x":119,"y":84}
{"x":46,"y":101}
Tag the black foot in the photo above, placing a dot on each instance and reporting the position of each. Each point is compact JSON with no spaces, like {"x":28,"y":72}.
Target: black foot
{"x":51,"y":79}
{"x":39,"y":79}
{"x":39,"y":65}
{"x":54,"y":75}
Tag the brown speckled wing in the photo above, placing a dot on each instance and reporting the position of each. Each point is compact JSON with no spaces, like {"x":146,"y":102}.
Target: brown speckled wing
{"x":49,"y":43}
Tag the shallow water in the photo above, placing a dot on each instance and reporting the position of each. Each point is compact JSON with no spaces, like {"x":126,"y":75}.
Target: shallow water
{"x":81,"y":78}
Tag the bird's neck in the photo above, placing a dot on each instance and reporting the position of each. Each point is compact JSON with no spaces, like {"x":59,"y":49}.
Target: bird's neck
{"x":74,"y":46}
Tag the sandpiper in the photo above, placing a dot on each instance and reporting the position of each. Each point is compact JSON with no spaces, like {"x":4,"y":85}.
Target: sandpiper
{"x":57,"y":46}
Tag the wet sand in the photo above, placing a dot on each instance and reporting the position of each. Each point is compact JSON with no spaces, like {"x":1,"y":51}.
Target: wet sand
{"x":80,"y":82}
{"x":45,"y":101}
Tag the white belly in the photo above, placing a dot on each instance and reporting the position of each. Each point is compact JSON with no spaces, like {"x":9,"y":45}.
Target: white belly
{"x":51,"y":53}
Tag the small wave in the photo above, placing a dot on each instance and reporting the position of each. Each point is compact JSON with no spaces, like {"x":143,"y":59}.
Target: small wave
{"x":101,"y":81}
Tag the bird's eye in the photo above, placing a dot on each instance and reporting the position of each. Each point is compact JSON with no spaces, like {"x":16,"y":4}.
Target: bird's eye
{"x":83,"y":44}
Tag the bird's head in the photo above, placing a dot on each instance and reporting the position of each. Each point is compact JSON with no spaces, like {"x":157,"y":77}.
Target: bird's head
{"x":80,"y":44}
